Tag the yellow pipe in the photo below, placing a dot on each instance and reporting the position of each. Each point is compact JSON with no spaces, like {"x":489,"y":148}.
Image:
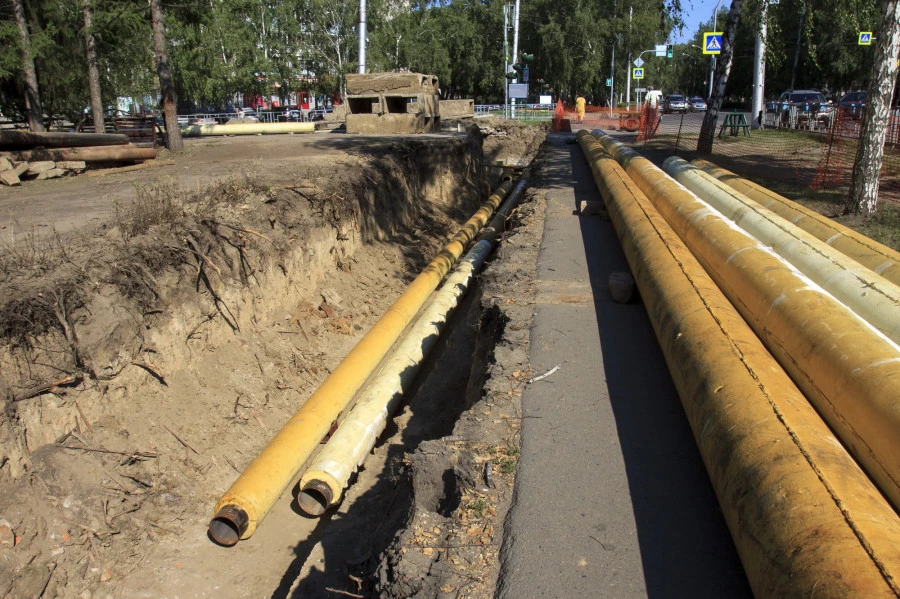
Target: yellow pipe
{"x":848,"y":370}
{"x":871,"y":254}
{"x":805,"y":520}
{"x":247,"y":129}
{"x":246,"y":503}
{"x":324,"y":481}
{"x":872,"y":297}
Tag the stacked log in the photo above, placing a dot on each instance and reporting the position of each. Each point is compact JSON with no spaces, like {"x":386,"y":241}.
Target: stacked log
{"x":39,"y":156}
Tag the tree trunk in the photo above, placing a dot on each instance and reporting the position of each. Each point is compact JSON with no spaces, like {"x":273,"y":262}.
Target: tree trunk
{"x":170,"y":104}
{"x":723,"y":69}
{"x":93,"y":71}
{"x":34,"y":110}
{"x":863,"y":197}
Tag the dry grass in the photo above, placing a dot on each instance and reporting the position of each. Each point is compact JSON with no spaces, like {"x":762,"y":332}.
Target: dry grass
{"x":159,"y":204}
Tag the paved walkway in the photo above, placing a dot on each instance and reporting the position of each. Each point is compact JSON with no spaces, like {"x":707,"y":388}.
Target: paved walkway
{"x":611,"y":497}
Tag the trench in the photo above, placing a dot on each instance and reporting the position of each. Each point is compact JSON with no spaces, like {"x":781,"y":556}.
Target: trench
{"x":191,"y":342}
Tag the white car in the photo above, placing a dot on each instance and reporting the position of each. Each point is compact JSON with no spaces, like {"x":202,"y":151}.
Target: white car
{"x":247,"y":113}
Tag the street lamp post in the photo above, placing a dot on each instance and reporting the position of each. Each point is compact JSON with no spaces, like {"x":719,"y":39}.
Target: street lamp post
{"x":712,"y":58}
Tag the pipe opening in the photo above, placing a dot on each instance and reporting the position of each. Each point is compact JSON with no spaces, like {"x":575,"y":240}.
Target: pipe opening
{"x":315,"y":498}
{"x":228,"y":526}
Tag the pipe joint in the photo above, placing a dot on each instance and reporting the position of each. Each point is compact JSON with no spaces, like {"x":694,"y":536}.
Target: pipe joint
{"x":229,"y":525}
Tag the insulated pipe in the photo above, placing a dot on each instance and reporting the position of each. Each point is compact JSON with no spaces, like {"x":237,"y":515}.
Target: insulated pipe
{"x":881,"y":259}
{"x":847,"y":369}
{"x":26,"y":140}
{"x":872,"y":297}
{"x":246,"y":503}
{"x":247,"y":129}
{"x":804,"y":518}
{"x":323,"y":484}
{"x":117,"y":153}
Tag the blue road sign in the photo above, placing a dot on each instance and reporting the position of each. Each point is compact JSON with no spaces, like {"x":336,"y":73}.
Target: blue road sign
{"x":637,"y":73}
{"x":712,"y":42}
{"x":865,"y":38}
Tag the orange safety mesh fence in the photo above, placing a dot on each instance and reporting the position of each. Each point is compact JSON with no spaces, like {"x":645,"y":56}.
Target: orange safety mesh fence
{"x":815,"y":150}
{"x":599,"y":117}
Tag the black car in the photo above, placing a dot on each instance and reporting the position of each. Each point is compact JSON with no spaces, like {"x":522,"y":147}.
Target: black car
{"x":802,"y":107}
{"x":853,"y":104}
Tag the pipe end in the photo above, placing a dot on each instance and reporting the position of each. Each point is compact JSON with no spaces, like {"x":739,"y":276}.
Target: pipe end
{"x":315,"y":497}
{"x":228,"y":525}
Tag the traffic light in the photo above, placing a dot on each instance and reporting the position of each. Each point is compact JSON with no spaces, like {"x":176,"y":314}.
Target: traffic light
{"x":670,"y":50}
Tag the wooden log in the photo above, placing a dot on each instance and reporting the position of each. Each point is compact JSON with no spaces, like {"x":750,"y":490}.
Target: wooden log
{"x":27,"y":140}
{"x":121,"y":153}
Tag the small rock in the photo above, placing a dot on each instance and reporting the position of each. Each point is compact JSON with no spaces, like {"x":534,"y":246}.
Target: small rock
{"x":621,"y":287}
{"x":106,"y":575}
{"x":57,"y":551}
{"x":7,"y":536}
{"x":86,"y":594}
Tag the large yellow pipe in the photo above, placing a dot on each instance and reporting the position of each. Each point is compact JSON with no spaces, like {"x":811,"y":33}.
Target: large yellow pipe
{"x":872,"y":297}
{"x":247,"y":129}
{"x":848,"y":370}
{"x":805,"y":520}
{"x":246,"y":503}
{"x":323,"y":483}
{"x":871,"y":254}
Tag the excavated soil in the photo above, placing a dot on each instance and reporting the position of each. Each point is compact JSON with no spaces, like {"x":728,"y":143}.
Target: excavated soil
{"x":149,"y":355}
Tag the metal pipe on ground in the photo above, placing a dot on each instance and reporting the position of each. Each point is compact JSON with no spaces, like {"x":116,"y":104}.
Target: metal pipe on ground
{"x":115,"y":153}
{"x":805,"y":519}
{"x":871,"y":254}
{"x":323,"y":483}
{"x":848,"y":370}
{"x":252,"y":495}
{"x":872,"y":297}
{"x":26,"y":140}
{"x":247,"y":129}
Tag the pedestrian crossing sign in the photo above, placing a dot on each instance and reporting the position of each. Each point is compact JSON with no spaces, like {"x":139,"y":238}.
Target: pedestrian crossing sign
{"x":865,"y":38}
{"x":637,"y":73}
{"x":712,"y":42}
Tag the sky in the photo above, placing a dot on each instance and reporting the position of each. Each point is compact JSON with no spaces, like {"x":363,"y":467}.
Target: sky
{"x":695,"y":12}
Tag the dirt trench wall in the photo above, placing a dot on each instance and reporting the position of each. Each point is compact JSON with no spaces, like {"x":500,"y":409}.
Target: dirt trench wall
{"x":120,"y":316}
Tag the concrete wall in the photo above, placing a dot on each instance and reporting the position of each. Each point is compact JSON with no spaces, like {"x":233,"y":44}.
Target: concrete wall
{"x":375,"y":124}
{"x":457,"y":107}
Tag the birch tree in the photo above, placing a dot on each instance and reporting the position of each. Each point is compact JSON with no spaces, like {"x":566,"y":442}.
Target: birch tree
{"x":723,"y":69}
{"x":863,"y":197}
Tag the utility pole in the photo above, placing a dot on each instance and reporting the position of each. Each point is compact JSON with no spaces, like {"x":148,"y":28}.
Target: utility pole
{"x":362,"y":36}
{"x":515,"y":53}
{"x":612,"y":75}
{"x":759,"y":69}
{"x":628,"y":67}
{"x":506,"y":80}
{"x":712,"y":59}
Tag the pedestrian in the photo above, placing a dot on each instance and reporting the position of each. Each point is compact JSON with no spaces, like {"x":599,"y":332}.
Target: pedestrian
{"x":579,"y":108}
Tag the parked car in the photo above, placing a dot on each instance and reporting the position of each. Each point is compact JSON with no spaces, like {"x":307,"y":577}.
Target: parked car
{"x":796,"y":108}
{"x":317,"y":114}
{"x":291,"y":116}
{"x":675,"y":103}
{"x":853,"y":104}
{"x":203,"y":120}
{"x":247,"y":113}
{"x":697,"y":103}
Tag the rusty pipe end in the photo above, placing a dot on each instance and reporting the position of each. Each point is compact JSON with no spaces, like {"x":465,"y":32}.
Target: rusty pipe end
{"x":228,"y":525}
{"x":315,"y":497}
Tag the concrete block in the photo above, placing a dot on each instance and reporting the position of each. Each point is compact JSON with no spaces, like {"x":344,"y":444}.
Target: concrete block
{"x":9,"y":177}
{"x":53,"y":173}
{"x":5,"y":164}
{"x":21,"y":168}
{"x":391,"y":123}
{"x":377,"y":83}
{"x":72,"y":165}
{"x":621,"y":287}
{"x":36,"y":168}
{"x":457,"y":107}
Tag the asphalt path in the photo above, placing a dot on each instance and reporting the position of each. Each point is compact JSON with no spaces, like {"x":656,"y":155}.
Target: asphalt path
{"x":611,"y":496}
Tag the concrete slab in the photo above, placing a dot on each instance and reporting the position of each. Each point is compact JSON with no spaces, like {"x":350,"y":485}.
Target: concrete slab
{"x":611,"y":496}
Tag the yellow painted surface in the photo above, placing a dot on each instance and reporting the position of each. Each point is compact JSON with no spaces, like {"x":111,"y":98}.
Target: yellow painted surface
{"x":871,"y":254}
{"x":805,"y":519}
{"x":268,"y":476}
{"x":247,"y":129}
{"x":849,"y":371}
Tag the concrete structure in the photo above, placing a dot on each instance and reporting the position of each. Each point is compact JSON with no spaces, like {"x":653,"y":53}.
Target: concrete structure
{"x":392,"y":103}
